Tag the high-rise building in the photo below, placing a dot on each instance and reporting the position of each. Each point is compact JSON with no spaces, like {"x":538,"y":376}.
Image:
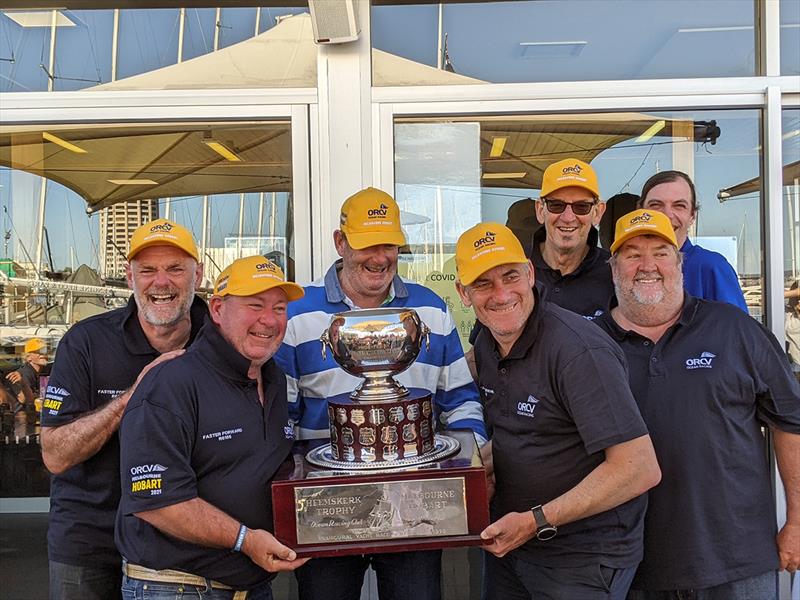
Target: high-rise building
{"x":117,"y":223}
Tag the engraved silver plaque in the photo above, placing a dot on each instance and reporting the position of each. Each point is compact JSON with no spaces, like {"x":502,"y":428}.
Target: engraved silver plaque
{"x":357,"y":416}
{"x":381,"y":511}
{"x":377,"y":416}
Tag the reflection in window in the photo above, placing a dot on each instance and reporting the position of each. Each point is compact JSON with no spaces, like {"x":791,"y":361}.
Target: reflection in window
{"x":236,"y":25}
{"x":229,"y":183}
{"x":791,"y":233}
{"x":453,"y":173}
{"x":198,"y":36}
{"x":83,"y":53}
{"x":790,"y":37}
{"x":25,"y":49}
{"x":596,"y":40}
{"x":148,"y":40}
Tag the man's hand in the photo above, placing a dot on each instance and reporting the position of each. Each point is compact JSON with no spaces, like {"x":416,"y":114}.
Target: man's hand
{"x":488,"y":465}
{"x":268,"y":553}
{"x":70,"y":444}
{"x":14,"y":377}
{"x":789,"y":547}
{"x":123,"y":398}
{"x":509,"y":532}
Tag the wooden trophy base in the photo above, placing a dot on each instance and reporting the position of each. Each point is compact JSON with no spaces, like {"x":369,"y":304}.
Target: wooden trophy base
{"x":320,"y":512}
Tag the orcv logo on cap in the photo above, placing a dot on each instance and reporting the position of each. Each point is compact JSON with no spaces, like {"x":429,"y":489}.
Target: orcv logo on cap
{"x":268,"y":266}
{"x":161,"y":227}
{"x":487,"y":239}
{"x":642,"y":218}
{"x":378,"y":212}
{"x":573,"y":170}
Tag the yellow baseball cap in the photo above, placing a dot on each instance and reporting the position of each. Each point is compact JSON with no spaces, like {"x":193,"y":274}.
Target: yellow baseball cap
{"x":371,"y":217}
{"x":252,"y":275}
{"x":569,"y":172}
{"x":34,"y":345}
{"x":159,"y":233}
{"x":486,"y":246}
{"x":643,"y":222}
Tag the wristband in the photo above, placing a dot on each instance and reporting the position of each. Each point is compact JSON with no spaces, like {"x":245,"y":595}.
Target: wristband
{"x":237,"y":547}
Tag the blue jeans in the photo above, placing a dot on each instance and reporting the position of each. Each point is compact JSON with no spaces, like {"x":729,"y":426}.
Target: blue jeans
{"x":71,"y":582}
{"x":758,"y":587}
{"x":510,"y":578}
{"x":140,"y":589}
{"x":401,"y":576}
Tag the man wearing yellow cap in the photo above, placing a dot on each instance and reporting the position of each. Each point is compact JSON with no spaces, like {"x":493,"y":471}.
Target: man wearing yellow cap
{"x":571,"y":269}
{"x":571,"y":453}
{"x":201,"y":439}
{"x":100,"y":360}
{"x":706,"y":274}
{"x":570,"y":266}
{"x":35,"y":362}
{"x":368,"y":242}
{"x":706,"y":378}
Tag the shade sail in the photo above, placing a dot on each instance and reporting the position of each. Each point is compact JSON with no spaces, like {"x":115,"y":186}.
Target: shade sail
{"x":158,"y":160}
{"x":791,"y":173}
{"x":284,"y":56}
{"x":533,"y":142}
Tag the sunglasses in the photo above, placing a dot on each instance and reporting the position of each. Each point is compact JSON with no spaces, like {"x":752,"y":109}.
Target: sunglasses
{"x":580,"y":208}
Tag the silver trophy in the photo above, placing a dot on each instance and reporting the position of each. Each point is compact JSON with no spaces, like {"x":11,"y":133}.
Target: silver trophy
{"x":376,"y":344}
{"x":381,"y":424}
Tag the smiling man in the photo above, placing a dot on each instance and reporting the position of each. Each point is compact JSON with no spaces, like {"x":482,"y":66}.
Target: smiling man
{"x":707,"y":379}
{"x":200,"y":440}
{"x":100,"y":361}
{"x":571,"y":454}
{"x":706,"y":274}
{"x":570,"y":266}
{"x":368,"y":242}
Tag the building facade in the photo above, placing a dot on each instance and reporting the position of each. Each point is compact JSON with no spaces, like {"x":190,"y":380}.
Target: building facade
{"x":234,"y":122}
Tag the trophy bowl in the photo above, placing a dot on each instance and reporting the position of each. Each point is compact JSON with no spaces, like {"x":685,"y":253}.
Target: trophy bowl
{"x":375,"y":344}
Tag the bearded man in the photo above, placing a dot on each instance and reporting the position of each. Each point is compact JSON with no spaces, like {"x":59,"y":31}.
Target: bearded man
{"x":100,"y":361}
{"x":707,"y":379}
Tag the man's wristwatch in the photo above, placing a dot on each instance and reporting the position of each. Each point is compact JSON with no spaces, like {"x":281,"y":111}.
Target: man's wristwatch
{"x":544,"y":531}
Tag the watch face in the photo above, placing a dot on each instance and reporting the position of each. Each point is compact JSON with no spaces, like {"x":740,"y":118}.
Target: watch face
{"x":548,"y":532}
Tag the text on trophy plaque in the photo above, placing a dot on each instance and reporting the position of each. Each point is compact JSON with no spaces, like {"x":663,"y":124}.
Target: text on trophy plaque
{"x":381,"y":510}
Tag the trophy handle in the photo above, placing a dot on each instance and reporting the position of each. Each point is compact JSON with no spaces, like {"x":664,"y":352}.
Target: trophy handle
{"x":426,"y":333}
{"x":326,"y":341}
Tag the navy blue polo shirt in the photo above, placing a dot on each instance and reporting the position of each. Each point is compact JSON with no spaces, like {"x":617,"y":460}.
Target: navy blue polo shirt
{"x":195,"y":428}
{"x":587,"y":290}
{"x":97,"y":360}
{"x":555,"y":403}
{"x":705,"y":389}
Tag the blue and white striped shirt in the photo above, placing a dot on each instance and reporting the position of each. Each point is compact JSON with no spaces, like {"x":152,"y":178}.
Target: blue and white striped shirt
{"x":442,"y":369}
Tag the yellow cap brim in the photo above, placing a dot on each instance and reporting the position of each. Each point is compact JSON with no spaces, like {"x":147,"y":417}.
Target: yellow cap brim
{"x":292,"y":290}
{"x":161,"y":242}
{"x":359,"y":241}
{"x":472,"y":272}
{"x":546,"y":192}
{"x":636,"y":233}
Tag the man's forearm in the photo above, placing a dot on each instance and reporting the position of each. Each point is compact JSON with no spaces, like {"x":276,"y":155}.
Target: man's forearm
{"x":194,"y":521}
{"x":629,"y":470}
{"x":70,"y":444}
{"x":787,"y":454}
{"x":197,"y":522}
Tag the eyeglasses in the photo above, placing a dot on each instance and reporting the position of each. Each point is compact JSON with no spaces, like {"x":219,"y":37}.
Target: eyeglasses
{"x":580,"y":208}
